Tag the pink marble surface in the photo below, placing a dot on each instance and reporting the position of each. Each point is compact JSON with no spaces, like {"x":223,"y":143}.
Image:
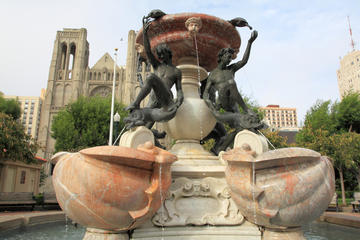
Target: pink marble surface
{"x":112,"y":187}
{"x":282,"y":188}
{"x":214,"y":35}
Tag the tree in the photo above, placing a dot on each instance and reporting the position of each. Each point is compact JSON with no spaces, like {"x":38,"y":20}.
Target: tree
{"x":10,"y":107}
{"x":84,"y":123}
{"x":347,"y":113}
{"x":15,"y":144}
{"x":275,"y":139}
{"x":328,"y":129}
{"x":320,"y":116}
{"x":345,"y":154}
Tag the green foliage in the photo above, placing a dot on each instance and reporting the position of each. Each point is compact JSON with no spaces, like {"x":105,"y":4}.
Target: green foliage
{"x":10,"y":107}
{"x":333,"y":130}
{"x":253,"y":105}
{"x":43,"y":176}
{"x":208,"y":144}
{"x":84,"y":123}
{"x":347,"y":113}
{"x":15,"y":144}
{"x":320,"y":116}
{"x":39,"y":199}
{"x":276,"y":140}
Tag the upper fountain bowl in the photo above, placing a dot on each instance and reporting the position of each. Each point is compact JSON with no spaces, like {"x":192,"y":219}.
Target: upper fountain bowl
{"x":214,"y":34}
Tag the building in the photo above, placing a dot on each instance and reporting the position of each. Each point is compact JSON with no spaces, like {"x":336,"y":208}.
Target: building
{"x":16,"y":176}
{"x":348,"y":74}
{"x":71,"y":77}
{"x":280,"y":118}
{"x":30,"y":112}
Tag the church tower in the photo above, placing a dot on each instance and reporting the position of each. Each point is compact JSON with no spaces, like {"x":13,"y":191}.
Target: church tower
{"x":68,"y":71}
{"x":131,"y":67}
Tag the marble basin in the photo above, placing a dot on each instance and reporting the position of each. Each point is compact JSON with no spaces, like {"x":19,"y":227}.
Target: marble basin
{"x":281,"y":188}
{"x":112,"y":187}
{"x":214,"y":35}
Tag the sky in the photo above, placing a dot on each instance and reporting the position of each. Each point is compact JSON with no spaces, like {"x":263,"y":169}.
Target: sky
{"x":293,"y":61}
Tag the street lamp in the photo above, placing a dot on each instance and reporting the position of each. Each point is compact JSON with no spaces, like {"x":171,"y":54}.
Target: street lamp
{"x":116,"y":124}
{"x":112,"y":101}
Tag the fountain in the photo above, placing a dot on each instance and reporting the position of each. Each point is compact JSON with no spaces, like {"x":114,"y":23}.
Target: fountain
{"x":126,"y":191}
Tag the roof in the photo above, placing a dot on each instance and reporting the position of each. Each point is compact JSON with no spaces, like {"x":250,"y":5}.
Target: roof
{"x":105,"y":62}
{"x":42,"y":160}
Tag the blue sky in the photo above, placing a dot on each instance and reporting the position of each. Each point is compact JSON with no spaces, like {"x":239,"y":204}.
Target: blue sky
{"x":293,"y":62}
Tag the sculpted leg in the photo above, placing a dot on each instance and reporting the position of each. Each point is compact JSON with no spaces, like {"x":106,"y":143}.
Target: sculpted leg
{"x":145,"y":90}
{"x":237,"y":97}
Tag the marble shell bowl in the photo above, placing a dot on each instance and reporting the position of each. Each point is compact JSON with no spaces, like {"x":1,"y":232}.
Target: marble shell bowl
{"x":281,"y":188}
{"x":112,"y":187}
{"x":214,"y":35}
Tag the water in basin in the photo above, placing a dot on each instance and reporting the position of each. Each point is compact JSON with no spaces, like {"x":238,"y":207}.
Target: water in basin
{"x":313,"y":231}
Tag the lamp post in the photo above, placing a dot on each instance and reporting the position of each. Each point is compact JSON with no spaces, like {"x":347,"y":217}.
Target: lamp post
{"x":116,"y":125}
{"x":112,"y":101}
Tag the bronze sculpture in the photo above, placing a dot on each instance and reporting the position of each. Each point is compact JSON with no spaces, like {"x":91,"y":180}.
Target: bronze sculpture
{"x":225,"y":107}
{"x":161,"y":106}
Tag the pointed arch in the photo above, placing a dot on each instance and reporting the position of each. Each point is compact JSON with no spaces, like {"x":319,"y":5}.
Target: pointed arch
{"x":63,"y":53}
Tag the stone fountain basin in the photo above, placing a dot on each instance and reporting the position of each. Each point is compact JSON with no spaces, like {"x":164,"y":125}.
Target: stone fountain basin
{"x":112,"y":187}
{"x":214,"y":35}
{"x":281,"y":188}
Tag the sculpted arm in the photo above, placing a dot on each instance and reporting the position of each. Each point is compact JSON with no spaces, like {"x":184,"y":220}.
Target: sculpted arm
{"x":244,"y":60}
{"x":153,"y":61}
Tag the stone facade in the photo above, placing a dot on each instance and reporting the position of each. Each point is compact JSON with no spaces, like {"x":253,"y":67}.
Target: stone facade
{"x":279,"y":117}
{"x":70,"y":77}
{"x":348,"y":74}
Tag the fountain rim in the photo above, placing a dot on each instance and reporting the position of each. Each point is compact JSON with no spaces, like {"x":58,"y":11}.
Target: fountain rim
{"x":215,"y":34}
{"x":138,"y":158}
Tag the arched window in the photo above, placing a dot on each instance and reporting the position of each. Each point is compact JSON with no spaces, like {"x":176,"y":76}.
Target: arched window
{"x":72,"y":57}
{"x":71,"y":61}
{"x":63,"y":56}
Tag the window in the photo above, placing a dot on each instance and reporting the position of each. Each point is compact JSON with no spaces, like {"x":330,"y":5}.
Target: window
{"x":23,"y":177}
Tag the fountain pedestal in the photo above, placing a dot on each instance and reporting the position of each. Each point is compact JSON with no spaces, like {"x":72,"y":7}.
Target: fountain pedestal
{"x":193,"y":120}
{"x":98,"y":234}
{"x":198,"y":205}
{"x":284,"y":234}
